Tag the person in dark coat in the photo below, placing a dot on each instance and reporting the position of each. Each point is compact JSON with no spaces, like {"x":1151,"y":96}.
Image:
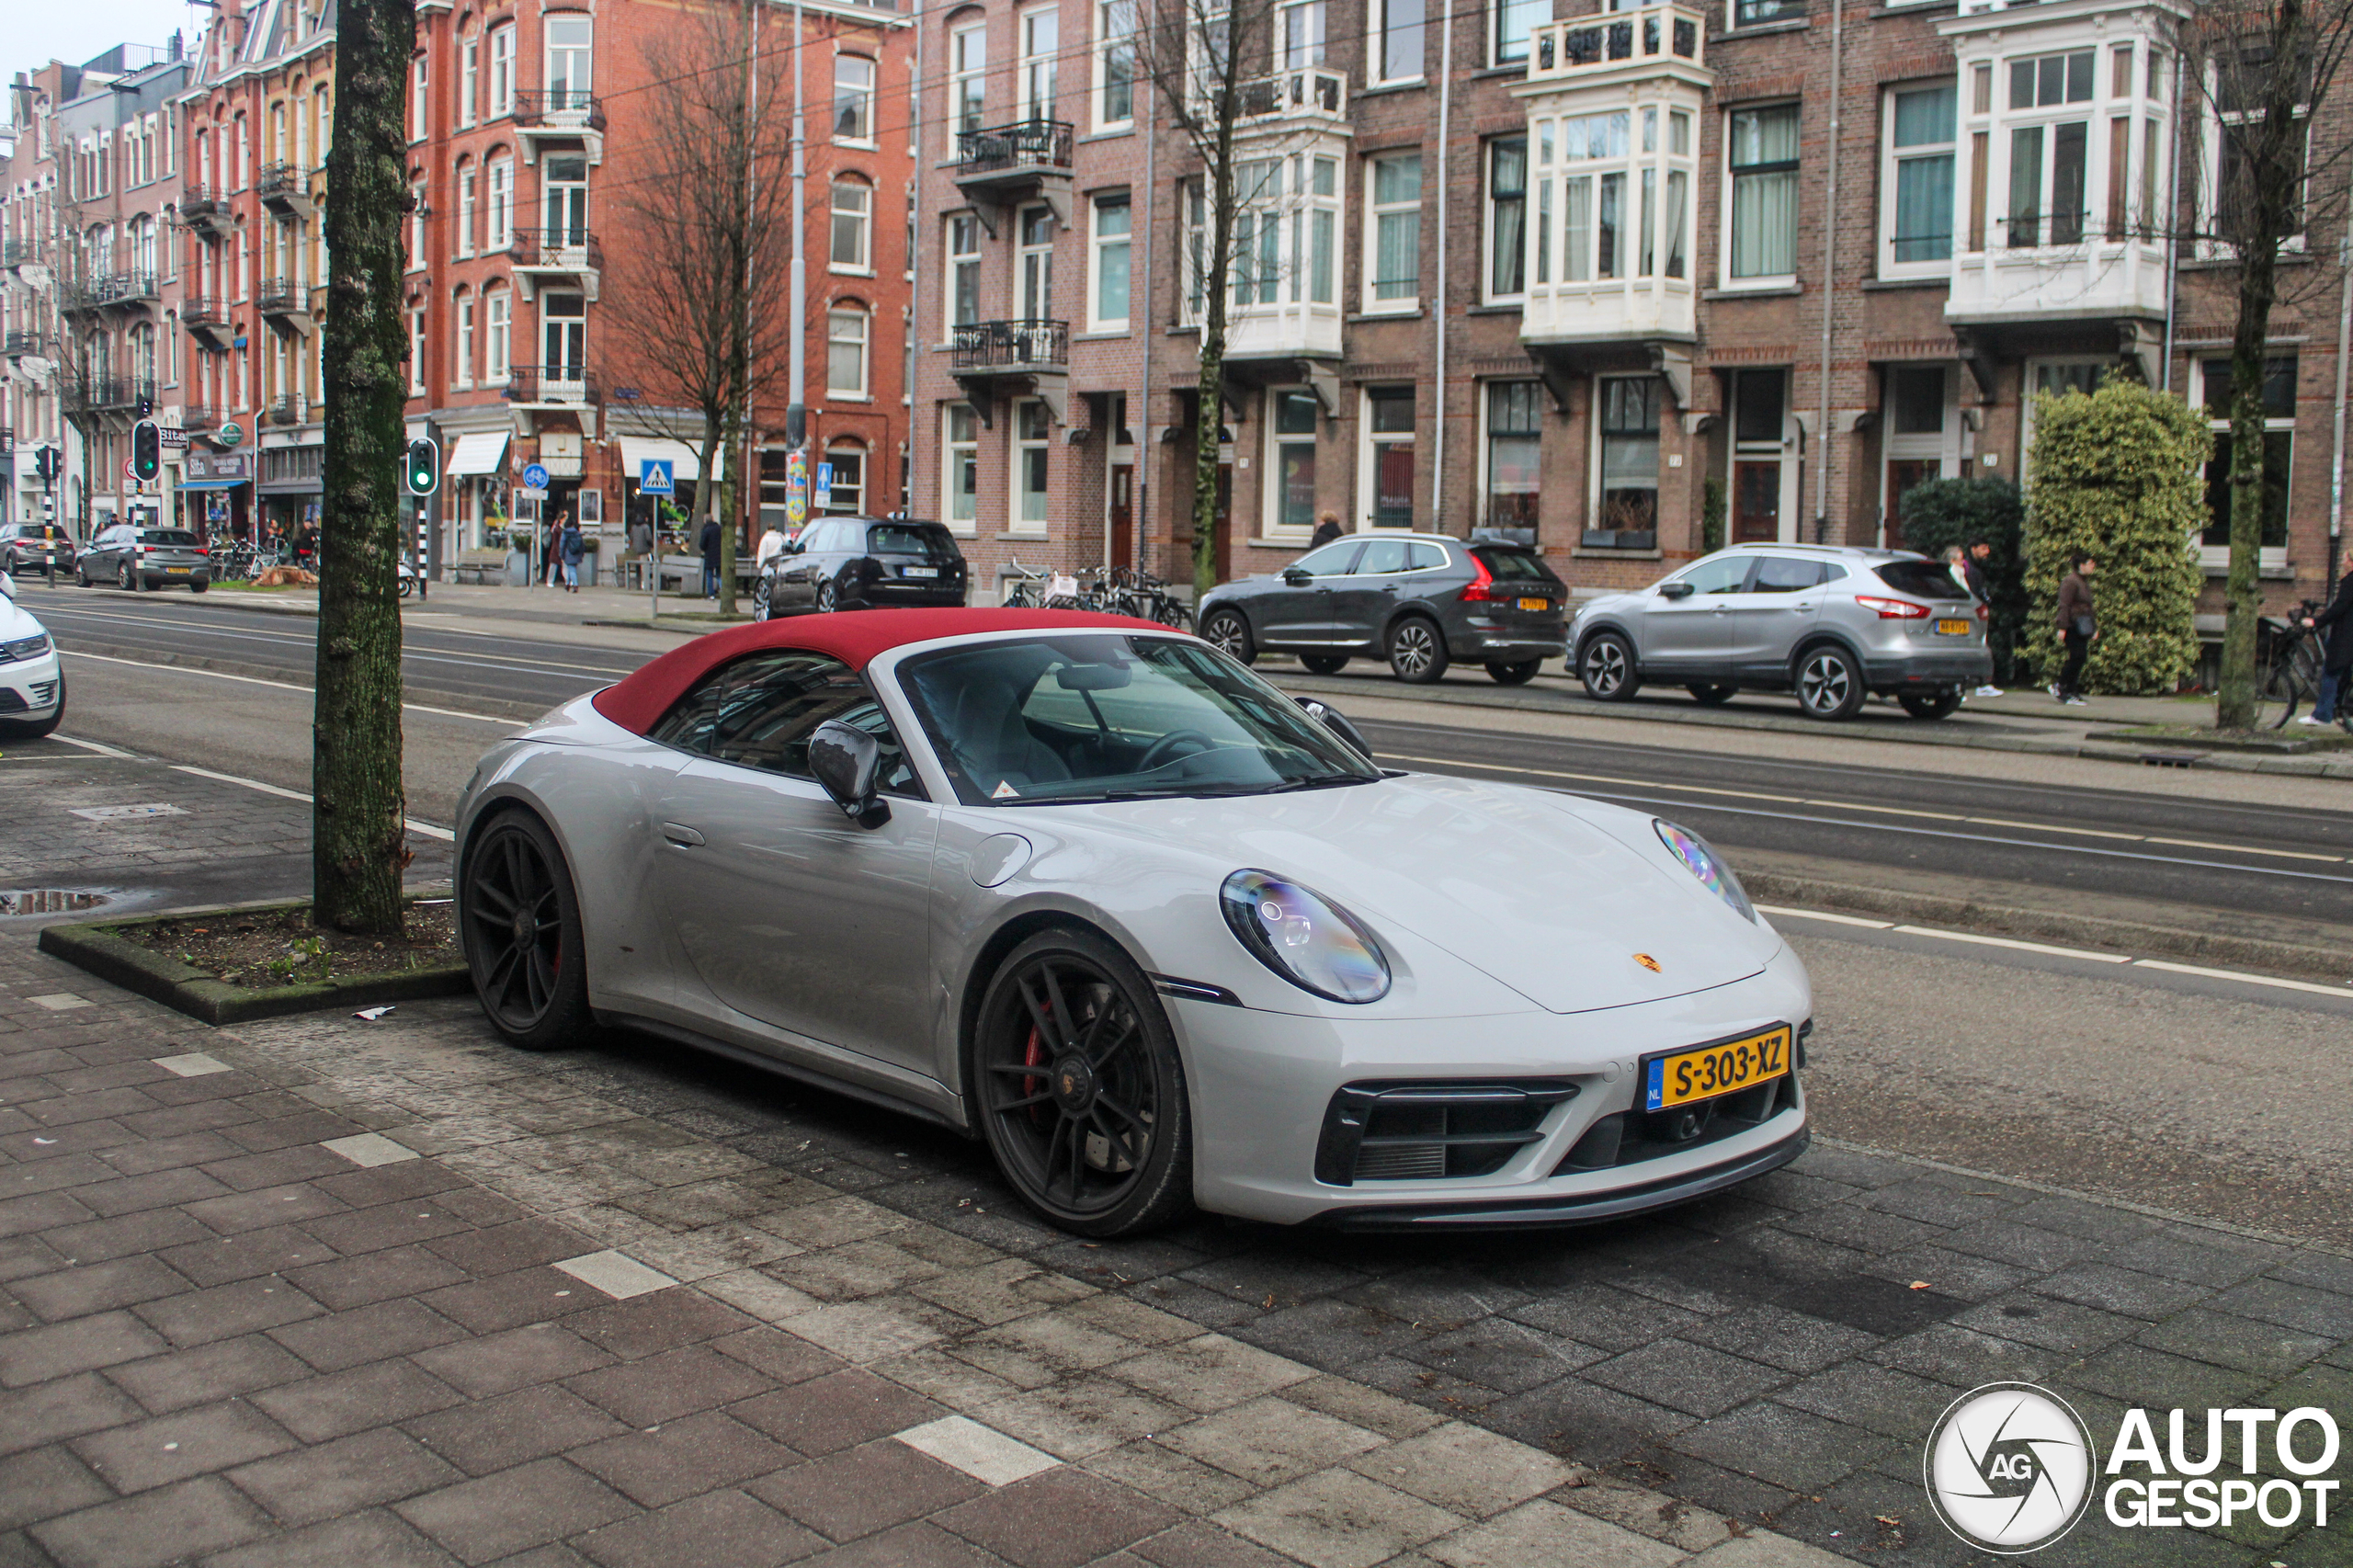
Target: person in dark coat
{"x":1328,"y":528}
{"x":573,"y":549}
{"x":2337,"y":654}
{"x":710,"y":558}
{"x":2078,"y":624}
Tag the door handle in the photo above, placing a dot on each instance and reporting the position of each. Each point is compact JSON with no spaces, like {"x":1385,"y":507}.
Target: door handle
{"x":681,"y":834}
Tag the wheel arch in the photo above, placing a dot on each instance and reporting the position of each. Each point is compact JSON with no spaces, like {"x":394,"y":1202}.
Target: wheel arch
{"x":984,"y":964}
{"x":1823,"y":637}
{"x":1577,"y":655}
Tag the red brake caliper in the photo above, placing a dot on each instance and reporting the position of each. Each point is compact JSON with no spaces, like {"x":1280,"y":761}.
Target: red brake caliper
{"x":1033,"y":1055}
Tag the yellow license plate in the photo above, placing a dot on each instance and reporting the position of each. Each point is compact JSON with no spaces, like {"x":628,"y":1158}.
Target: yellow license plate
{"x":183,"y":571}
{"x":1952,"y":628}
{"x":1727,"y":1067}
{"x":1535,"y":604}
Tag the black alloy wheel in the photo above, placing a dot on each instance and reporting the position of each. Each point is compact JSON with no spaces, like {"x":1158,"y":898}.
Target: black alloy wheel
{"x":1080,"y":1092}
{"x":1417,"y":651}
{"x":1513,"y":672}
{"x":760,"y":591}
{"x":1230,"y":634}
{"x":122,"y":578}
{"x":1710,"y":694}
{"x":828,"y":597}
{"x":1830,"y":684}
{"x":519,"y":923}
{"x":1931,"y":704}
{"x":1607,"y":668}
{"x":1324,"y":663}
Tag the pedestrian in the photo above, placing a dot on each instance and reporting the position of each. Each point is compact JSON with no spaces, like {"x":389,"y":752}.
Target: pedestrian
{"x":1328,"y":528}
{"x":1974,"y":556}
{"x":2337,"y":654}
{"x":2078,"y":624}
{"x":571,"y":547}
{"x":710,"y":558}
{"x":552,"y":564}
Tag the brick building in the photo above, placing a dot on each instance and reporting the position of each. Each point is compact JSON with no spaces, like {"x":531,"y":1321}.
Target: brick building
{"x":1582,"y":276}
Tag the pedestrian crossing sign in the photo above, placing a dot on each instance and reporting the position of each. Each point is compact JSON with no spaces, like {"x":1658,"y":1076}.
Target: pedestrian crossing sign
{"x":654,"y":477}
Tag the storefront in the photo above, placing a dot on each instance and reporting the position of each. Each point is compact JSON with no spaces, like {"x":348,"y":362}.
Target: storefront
{"x":215,"y":494}
{"x":292,"y":480}
{"x":475,"y":492}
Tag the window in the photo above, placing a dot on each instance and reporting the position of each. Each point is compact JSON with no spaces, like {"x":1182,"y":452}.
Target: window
{"x":968,"y":59}
{"x":1512,"y":21}
{"x":419,"y":102}
{"x":497,"y":343}
{"x":1507,"y":218}
{"x":1108,"y":293}
{"x":416,"y":216}
{"x":1757,"y":12}
{"x":1029,"y":449}
{"x":1290,"y":461}
{"x":564,"y":339}
{"x":1040,"y":52}
{"x":846,"y":351}
{"x":563,"y":193}
{"x":467,"y":200}
{"x":1114,"y":63}
{"x":1514,"y":456}
{"x":1395,"y":221}
{"x":1763,"y":154}
{"x":464,"y":341}
{"x":416,"y":351}
{"x":469,"y":79}
{"x":760,"y":711}
{"x":245,"y":157}
{"x":1625,"y":515}
{"x":959,"y":475}
{"x":2278,"y":458}
{"x":1284,"y":238}
{"x":2049,"y":158}
{"x":963,"y":270}
{"x":1397,"y":40}
{"x":853,"y":224}
{"x":846,"y":491}
{"x":567,"y":78}
{"x":1301,"y":31}
{"x":1388,"y":481}
{"x":1917,"y":219}
{"x":502,"y":72}
{"x":2235,"y":113}
{"x":501,"y":204}
{"x":853,"y":98}
{"x":1035,"y":270}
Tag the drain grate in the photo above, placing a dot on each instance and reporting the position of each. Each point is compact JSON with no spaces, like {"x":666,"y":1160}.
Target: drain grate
{"x":49,"y":900}
{"x":2171,"y":758}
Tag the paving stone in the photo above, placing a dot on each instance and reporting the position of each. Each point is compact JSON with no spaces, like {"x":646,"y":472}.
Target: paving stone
{"x":1648,"y":1512}
{"x":374,"y":1538}
{"x":2054,"y":1325}
{"x":1196,"y":1543}
{"x":1689,"y":1377}
{"x":247,"y":1172}
{"x":721,"y":1529}
{"x":1605,"y":1317}
{"x":1058,"y":1519}
{"x":1964,"y":1357}
{"x":368,"y":1149}
{"x":1269,"y":1441}
{"x":1545,"y":1532}
{"x":677,"y":1458}
{"x":1777,"y":1443}
{"x":1207,"y":1374}
{"x":1464,"y":1469}
{"x":198,"y":1317}
{"x":1337,"y":1518}
{"x":500,"y":1514}
{"x":225,"y":1260}
{"x":492,"y":1434}
{"x":1161,"y":1472}
{"x":2239,"y":1343}
{"x":43,"y":1483}
{"x":172,"y":1447}
{"x":318,"y":1410}
{"x":1000,"y":1291}
{"x":97,"y":1287}
{"x":2151,"y":1378}
{"x":329,"y":1480}
{"x":869,"y":1331}
{"x":351,"y":1282}
{"x":38,"y":1355}
{"x":838,"y":1411}
{"x":1882,"y":1399}
{"x":2114,"y":1289}
{"x":857,"y":1492}
{"x":918,"y":1545}
{"x":751,"y":1292}
{"x":170,"y":1524}
{"x":780,"y":1357}
{"x":662,"y":1321}
{"x":496,"y":1363}
{"x":979,"y":1451}
{"x":2290,"y":1306}
{"x":266,"y":1206}
{"x":1081,"y":1416}
{"x":617,"y":1274}
{"x":366,"y":1334}
{"x":60,"y":1407}
{"x":664,"y":1387}
{"x":524,"y":1244}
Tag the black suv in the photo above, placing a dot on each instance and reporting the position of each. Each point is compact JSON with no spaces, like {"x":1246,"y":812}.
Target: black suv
{"x":28,"y":547}
{"x":862,"y":563}
{"x":1418,"y":600}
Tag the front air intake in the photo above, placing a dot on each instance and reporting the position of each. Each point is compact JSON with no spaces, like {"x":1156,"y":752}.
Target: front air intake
{"x":1426,"y":1131}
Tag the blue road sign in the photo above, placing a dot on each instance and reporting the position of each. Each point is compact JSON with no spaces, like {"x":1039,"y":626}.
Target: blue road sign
{"x":654,"y":477}
{"x":536,"y":476}
{"x":821,"y":493}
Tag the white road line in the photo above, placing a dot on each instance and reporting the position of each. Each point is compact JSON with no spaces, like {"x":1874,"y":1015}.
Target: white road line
{"x":281,"y":686}
{"x":2012,"y":942}
{"x":101,"y":748}
{"x":1783,"y":911}
{"x":425,"y":828}
{"x":2247,"y":979}
{"x":1824,"y":915}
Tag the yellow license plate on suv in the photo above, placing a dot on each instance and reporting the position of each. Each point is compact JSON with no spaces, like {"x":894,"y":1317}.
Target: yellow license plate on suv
{"x":1535,"y":604}
{"x":1952,"y":628}
{"x":1681,"y":1078}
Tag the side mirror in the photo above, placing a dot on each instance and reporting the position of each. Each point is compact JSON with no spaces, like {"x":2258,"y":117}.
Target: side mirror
{"x":844,"y":760}
{"x":1296,"y":577}
{"x":7,"y":584}
{"x":1674,"y":590}
{"x":1338,"y":722}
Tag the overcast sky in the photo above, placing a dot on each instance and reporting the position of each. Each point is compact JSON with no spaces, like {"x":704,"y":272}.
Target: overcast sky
{"x":38,"y":31}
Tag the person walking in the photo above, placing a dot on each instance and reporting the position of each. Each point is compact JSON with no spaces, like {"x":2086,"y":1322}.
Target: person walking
{"x":2078,"y":624}
{"x":572,"y":547}
{"x":2336,"y":654}
{"x":551,"y":553}
{"x":1328,"y":528}
{"x":710,"y":558}
{"x":1973,"y":558}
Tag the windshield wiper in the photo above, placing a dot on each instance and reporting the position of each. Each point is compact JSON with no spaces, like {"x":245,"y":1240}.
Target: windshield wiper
{"x":1317,"y":781}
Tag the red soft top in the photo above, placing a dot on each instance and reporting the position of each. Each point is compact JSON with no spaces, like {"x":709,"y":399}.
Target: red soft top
{"x":637,"y":702}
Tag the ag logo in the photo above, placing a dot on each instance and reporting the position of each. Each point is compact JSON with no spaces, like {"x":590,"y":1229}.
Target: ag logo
{"x":2009,"y":1468}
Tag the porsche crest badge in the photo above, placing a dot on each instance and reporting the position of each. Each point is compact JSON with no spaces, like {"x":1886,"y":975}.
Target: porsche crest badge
{"x":1648,"y":962}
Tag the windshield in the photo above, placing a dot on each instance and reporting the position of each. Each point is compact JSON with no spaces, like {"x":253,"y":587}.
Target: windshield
{"x":1106,"y":717}
{"x":1923,"y":579}
{"x":909,"y":538}
{"x":1513,"y":565}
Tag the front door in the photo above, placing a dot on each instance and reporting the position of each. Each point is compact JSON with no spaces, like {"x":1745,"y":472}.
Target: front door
{"x":1123,"y":516}
{"x":1298,"y":614}
{"x":1781,"y":600}
{"x":1689,"y":638}
{"x":1756,"y":502}
{"x":1902,"y":474}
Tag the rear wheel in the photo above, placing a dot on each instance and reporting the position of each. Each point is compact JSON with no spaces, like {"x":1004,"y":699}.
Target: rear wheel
{"x":519,"y":920}
{"x":1230,"y":633}
{"x":1417,"y":651}
{"x":1607,"y":668}
{"x":1080,"y":1090}
{"x":828,"y":598}
{"x":1830,"y":684}
{"x":1710,"y":695}
{"x":197,"y":585}
{"x":1930,"y":704}
{"x":1325,"y":663}
{"x":1513,"y":672}
{"x":124,"y":580}
{"x":760,"y":598}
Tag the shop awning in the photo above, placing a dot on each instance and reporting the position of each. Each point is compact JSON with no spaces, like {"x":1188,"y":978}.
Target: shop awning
{"x":685,"y":464}
{"x":484,"y":451}
{"x":211,"y":484}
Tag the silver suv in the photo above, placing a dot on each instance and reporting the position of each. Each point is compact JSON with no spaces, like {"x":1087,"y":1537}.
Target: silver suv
{"x":1833,"y":625}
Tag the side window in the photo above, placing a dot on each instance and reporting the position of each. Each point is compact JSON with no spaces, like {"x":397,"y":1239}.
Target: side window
{"x":1422,"y":557}
{"x":765,"y":721}
{"x":1780,"y":574}
{"x":1381,"y":557}
{"x":1724,"y":574}
{"x":1332,"y":561}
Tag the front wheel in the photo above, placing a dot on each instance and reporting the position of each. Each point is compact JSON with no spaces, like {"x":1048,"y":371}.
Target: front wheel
{"x":1227,"y":632}
{"x":1324,"y":663}
{"x":1081,"y":1093}
{"x":124,"y":580}
{"x":518,"y":921}
{"x":1416,"y":651}
{"x":1513,"y":672}
{"x":1607,"y":668}
{"x":1710,"y":695}
{"x":828,"y":598}
{"x":199,"y":584}
{"x":761,"y":593}
{"x":1930,"y":704}
{"x":1830,"y":684}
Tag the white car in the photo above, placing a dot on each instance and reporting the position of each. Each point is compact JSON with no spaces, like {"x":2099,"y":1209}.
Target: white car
{"x":1088,"y":889}
{"x":33,"y":677}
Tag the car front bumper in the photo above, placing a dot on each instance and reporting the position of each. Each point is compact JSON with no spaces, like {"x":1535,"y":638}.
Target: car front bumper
{"x":30,"y":688}
{"x":1264,"y":1088}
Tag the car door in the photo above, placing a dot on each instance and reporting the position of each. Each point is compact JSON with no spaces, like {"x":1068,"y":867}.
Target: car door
{"x":795,"y":585}
{"x":1781,"y":600}
{"x":1687,"y":636}
{"x":1297,"y":612}
{"x":787,"y":910}
{"x":1363,"y":601}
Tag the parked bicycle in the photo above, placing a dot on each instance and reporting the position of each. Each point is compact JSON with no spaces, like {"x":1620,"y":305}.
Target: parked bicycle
{"x":2290,"y":669}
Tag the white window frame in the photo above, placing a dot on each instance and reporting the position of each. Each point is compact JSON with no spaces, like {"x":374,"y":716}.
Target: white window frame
{"x":968,"y":81}
{"x":1487,"y":224}
{"x":1377,"y":35}
{"x":1374,"y":211}
{"x":1368,"y":445}
{"x":500,"y":203}
{"x":1034,"y":258}
{"x":1313,"y":47}
{"x":420,"y":100}
{"x":2269,"y":557}
{"x":1039,"y":61}
{"x":966,"y":226}
{"x":841,"y":313}
{"x":416,"y":351}
{"x":1482,"y":391}
{"x":862,"y":265}
{"x":1022,"y":447}
{"x":498,"y":337}
{"x":1115,"y":34}
{"x":1724,"y":278}
{"x":1270,"y":501}
{"x":462,"y":340}
{"x":861,"y":94}
{"x":469,"y":182}
{"x":1501,"y":14}
{"x":836,"y":450}
{"x":469,"y":78}
{"x":582,"y":87}
{"x":417,"y":259}
{"x":502,"y":71}
{"x":958,"y":453}
{"x":1098,"y":244}
{"x":1892,"y":158}
{"x":2209,"y":153}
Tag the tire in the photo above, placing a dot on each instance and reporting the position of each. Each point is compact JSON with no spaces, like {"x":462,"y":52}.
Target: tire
{"x":1417,"y":651}
{"x":533,"y":986}
{"x":1227,"y":630}
{"x":199,"y":585}
{"x":1930,"y":704}
{"x":34,"y":728}
{"x":1513,"y":672}
{"x":1096,"y":1139}
{"x":829,"y":598}
{"x":761,"y":596}
{"x":1608,"y":669}
{"x":1708,"y":695}
{"x":1829,"y":683}
{"x":81,"y":576}
{"x":123,"y":579}
{"x":1324,"y":663}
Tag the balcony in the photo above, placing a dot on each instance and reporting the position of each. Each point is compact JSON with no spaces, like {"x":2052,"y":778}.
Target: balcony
{"x":1614,"y":48}
{"x":1311,"y":92}
{"x":207,"y":318}
{"x":1005,"y":164}
{"x":292,"y":409}
{"x":1031,"y":355}
{"x":285,"y":189}
{"x":20,"y":253}
{"x":556,"y":256}
{"x":117,"y":289}
{"x":107,"y":395}
{"x":19,"y":345}
{"x":196,"y":416}
{"x":560,"y":114}
{"x":205,"y":211}
{"x":286,"y":305}
{"x":552,"y":386}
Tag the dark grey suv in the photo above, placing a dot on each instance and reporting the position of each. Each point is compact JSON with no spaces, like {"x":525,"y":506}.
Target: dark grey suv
{"x":862,"y":563}
{"x":1418,"y":600}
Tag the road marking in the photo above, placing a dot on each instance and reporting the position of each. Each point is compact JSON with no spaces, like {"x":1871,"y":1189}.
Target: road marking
{"x":1825,"y":915}
{"x":102,"y":749}
{"x":2245,"y":850}
{"x":2013,"y":942}
{"x":2248,"y":979}
{"x":543,"y":668}
{"x":2053,"y":828}
{"x":279,"y":685}
{"x":425,"y":828}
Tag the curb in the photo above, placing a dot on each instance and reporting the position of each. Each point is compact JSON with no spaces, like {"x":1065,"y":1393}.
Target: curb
{"x":490,"y":707}
{"x":2290,"y":959}
{"x":94,"y":947}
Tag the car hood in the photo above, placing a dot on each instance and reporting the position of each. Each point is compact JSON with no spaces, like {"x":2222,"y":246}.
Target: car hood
{"x":16,"y":621}
{"x":1548,"y":895}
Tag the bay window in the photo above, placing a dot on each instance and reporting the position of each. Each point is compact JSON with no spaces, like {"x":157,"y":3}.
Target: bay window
{"x":1284,"y":234}
{"x":2049,"y":154}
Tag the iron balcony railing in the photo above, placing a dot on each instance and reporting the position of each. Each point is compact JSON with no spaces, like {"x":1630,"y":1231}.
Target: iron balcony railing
{"x":203,"y":311}
{"x":564,"y":247}
{"x":195,"y":417}
{"x":282,"y":298}
{"x":560,"y":106}
{"x":292,"y":409}
{"x":1030,"y":343}
{"x":284,"y":185}
{"x":571,"y":384}
{"x":1025,"y":144}
{"x":19,"y":344}
{"x":18,"y":253}
{"x":91,"y":394}
{"x":126,"y":288}
{"x":1308,"y":91}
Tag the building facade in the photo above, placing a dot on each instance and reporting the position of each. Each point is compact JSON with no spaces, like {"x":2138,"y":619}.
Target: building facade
{"x":1619,"y":279}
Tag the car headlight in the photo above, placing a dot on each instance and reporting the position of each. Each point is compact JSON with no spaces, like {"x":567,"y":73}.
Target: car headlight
{"x":1309,"y":940}
{"x":1699,"y":858}
{"x":31,"y":647}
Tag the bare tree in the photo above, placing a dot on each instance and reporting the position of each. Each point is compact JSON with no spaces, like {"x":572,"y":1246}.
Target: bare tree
{"x":711,"y":234}
{"x":2262,"y":70}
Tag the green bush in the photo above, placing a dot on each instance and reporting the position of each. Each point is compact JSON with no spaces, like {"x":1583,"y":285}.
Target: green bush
{"x":2119,"y":474}
{"x":1711,"y":516}
{"x":1946,"y":512}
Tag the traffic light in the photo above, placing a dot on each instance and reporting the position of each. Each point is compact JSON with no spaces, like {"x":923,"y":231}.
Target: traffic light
{"x":146,"y":452}
{"x":49,"y":462}
{"x":424,"y":467}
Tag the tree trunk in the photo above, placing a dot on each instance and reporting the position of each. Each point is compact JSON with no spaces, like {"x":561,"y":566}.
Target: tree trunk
{"x":707,"y":491}
{"x":1208,"y":403}
{"x":724,"y":503}
{"x":358,"y":836}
